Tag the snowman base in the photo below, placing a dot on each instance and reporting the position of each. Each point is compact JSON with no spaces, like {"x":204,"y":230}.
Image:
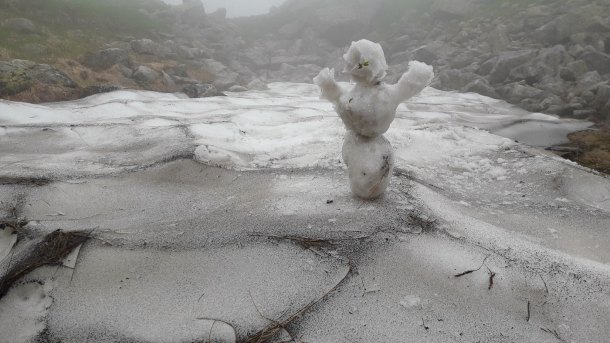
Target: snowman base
{"x":370,"y":162}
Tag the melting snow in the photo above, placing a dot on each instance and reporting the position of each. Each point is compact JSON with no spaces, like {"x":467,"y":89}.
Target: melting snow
{"x":275,"y":229}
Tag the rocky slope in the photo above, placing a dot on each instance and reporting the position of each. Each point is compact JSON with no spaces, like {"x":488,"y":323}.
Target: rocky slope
{"x":545,"y":55}
{"x":158,"y":47}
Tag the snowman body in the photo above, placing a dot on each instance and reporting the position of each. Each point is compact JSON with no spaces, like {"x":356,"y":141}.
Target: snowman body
{"x":367,"y":109}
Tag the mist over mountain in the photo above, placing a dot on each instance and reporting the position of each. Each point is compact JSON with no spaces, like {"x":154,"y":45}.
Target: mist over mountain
{"x":236,"y":8}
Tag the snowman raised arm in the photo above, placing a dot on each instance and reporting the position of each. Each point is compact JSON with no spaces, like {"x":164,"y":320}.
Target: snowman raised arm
{"x":367,"y":109}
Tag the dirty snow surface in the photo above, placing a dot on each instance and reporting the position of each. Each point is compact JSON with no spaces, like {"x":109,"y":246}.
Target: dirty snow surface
{"x":230,"y":219}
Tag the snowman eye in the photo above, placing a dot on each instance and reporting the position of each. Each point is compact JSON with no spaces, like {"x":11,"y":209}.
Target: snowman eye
{"x":366,"y":63}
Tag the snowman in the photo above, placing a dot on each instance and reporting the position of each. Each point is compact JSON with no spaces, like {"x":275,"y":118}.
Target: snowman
{"x":367,"y":109}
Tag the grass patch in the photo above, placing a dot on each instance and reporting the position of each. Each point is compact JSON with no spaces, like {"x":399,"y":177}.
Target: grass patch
{"x":69,"y":28}
{"x":594,"y":148}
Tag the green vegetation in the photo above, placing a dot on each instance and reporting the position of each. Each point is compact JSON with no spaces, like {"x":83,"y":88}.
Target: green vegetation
{"x":14,"y":82}
{"x":68,"y":28}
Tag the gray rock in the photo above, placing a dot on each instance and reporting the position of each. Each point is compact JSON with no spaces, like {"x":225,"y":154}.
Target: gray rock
{"x":105,"y":59}
{"x":19,"y":75}
{"x":178,"y":70}
{"x":192,"y":12}
{"x":482,"y":87}
{"x":554,"y":58}
{"x":554,"y":85}
{"x":551,"y":102}
{"x":498,"y":39}
{"x":547,"y":33}
{"x":508,"y":61}
{"x":425,"y":54}
{"x":462,"y":60}
{"x":168,"y":80}
{"x":144,"y":74}
{"x":584,"y":114}
{"x":237,"y":88}
{"x":579,"y":68}
{"x":200,"y":90}
{"x":224,"y":77}
{"x":487,"y":66}
{"x":589,"y":80}
{"x":454,"y":79}
{"x":599,"y":25}
{"x":518,"y":92}
{"x":530,"y":73}
{"x":596,"y":60}
{"x":602,"y":96}
{"x":21,"y":25}
{"x":605,"y":111}
{"x":258,"y":84}
{"x":126,"y":71}
{"x":148,"y":47}
{"x":186,"y":52}
{"x":567,"y":74}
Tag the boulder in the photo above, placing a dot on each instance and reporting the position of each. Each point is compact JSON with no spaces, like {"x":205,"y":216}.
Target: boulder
{"x":589,"y":81}
{"x":486,"y":67}
{"x":177,"y":70}
{"x":192,"y":12}
{"x":425,"y":54}
{"x":602,"y":96}
{"x":553,"y":58}
{"x":605,"y":111}
{"x":147,"y":46}
{"x":19,"y":75}
{"x":144,"y":74}
{"x":508,"y":61}
{"x":104,"y":59}
{"x":258,"y":84}
{"x":223,"y":76}
{"x":567,"y":74}
{"x":518,"y":92}
{"x":530,"y":73}
{"x":546,"y":33}
{"x":454,"y":79}
{"x":597,"y":61}
{"x":462,"y":60}
{"x":599,"y":25}
{"x":237,"y":88}
{"x":200,"y":90}
{"x":482,"y":87}
{"x":187,"y":53}
{"x":498,"y":39}
{"x":21,"y":25}
{"x":578,"y":68}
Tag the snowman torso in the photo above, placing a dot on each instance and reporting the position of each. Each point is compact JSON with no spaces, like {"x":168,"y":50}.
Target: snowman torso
{"x":367,"y":109}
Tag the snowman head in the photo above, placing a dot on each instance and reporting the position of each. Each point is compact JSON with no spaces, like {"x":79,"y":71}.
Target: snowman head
{"x":365,"y":62}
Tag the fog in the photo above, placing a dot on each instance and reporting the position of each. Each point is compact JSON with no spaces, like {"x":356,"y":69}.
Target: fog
{"x":237,"y":8}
